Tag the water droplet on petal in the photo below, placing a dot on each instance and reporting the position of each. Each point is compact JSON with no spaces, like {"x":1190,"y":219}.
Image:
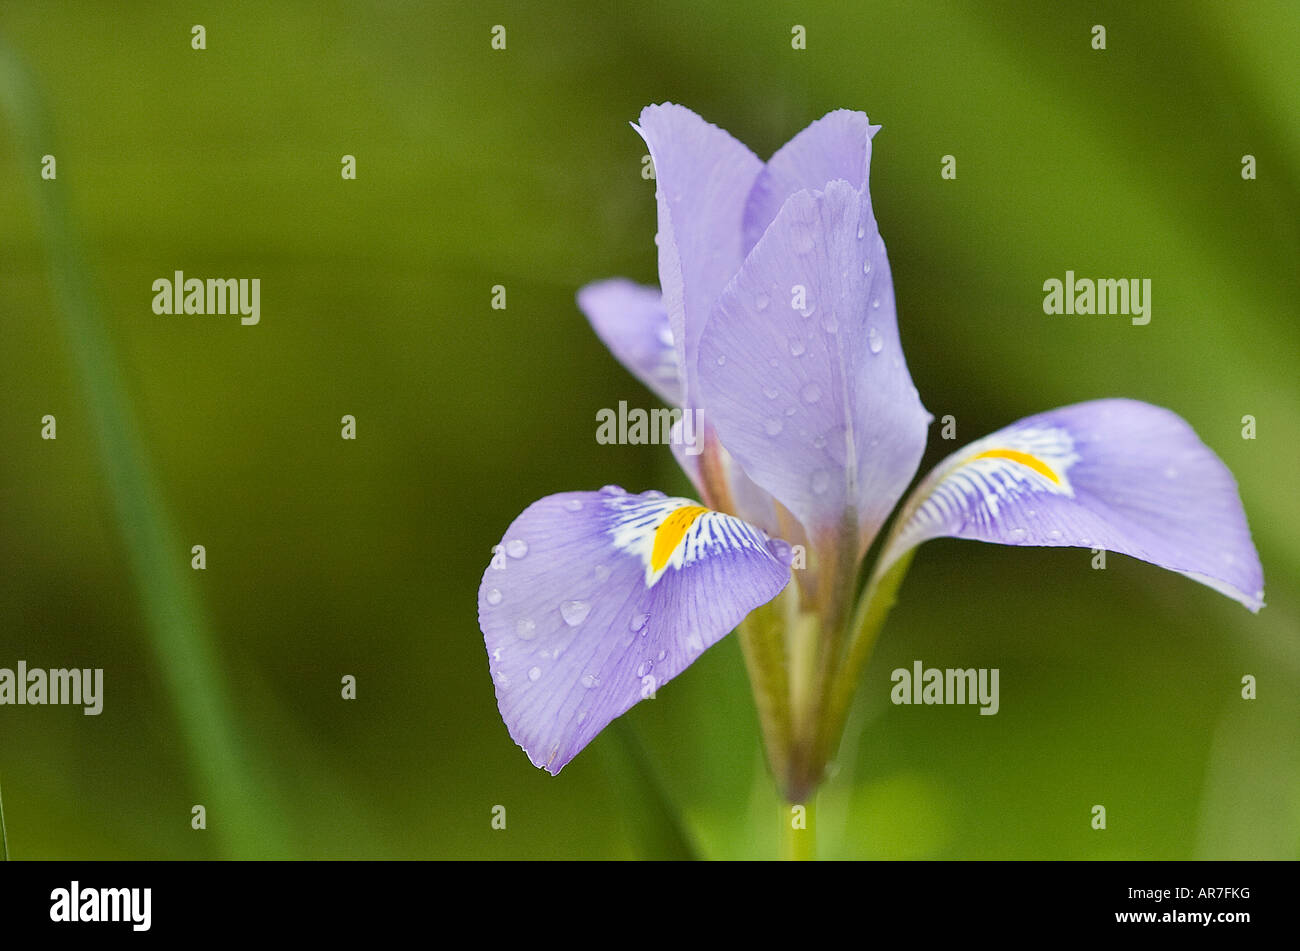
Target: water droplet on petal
{"x":638,"y":621}
{"x":761,"y":302}
{"x":773,"y":427}
{"x":1017,"y":533}
{"x":1171,"y":473}
{"x":811,"y":393}
{"x":516,"y":548}
{"x":644,"y":668}
{"x":534,"y":673}
{"x":612,"y":490}
{"x":796,"y":347}
{"x":722,"y":359}
{"x":589,"y":681}
{"x":875,"y":304}
{"x":601,"y":574}
{"x":663,"y":654}
{"x":819,"y":442}
{"x":771,"y":392}
{"x":526,"y":629}
{"x":573,"y":505}
{"x":503,"y":681}
{"x":574,"y":612}
{"x":1054,"y":534}
{"x":875,"y":342}
{"x":821,"y":481}
{"x":652,"y":494}
{"x":494,"y":596}
{"x":862,"y":232}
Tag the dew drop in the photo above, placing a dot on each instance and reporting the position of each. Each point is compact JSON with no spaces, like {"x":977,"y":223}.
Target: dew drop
{"x":638,"y":622}
{"x":1054,"y":534}
{"x":790,"y":410}
{"x":503,"y":681}
{"x":1171,"y":473}
{"x":811,"y":393}
{"x":589,"y":681}
{"x":612,"y":490}
{"x":525,"y":628}
{"x":494,"y":596}
{"x":652,"y":494}
{"x":796,"y":347}
{"x":663,"y":654}
{"x":534,"y":673}
{"x":866,"y":267}
{"x":875,"y":343}
{"x":821,"y":481}
{"x":1017,"y":533}
{"x":862,"y":232}
{"x":761,"y":302}
{"x":644,"y":668}
{"x":601,"y":574}
{"x":573,"y":505}
{"x":722,"y":359}
{"x":773,"y":427}
{"x":771,"y":392}
{"x":516,"y":548}
{"x":574,"y":612}
{"x":819,"y":442}
{"x":875,"y":304}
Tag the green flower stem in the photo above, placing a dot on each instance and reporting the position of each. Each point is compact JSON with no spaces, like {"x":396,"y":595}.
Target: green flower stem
{"x":763,"y":642}
{"x":799,"y":844}
{"x":870,"y":616}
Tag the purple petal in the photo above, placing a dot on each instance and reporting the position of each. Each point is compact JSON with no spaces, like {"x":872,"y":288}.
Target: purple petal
{"x":815,"y":402}
{"x":836,"y":146}
{"x":630,"y":319}
{"x":581,"y":620}
{"x":703,"y":177}
{"x":1116,"y":474}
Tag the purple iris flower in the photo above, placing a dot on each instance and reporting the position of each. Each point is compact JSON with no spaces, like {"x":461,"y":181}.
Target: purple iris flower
{"x":774,"y":329}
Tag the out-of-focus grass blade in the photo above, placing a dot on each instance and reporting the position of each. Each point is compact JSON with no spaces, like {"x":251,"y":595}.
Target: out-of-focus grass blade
{"x":4,"y":832}
{"x":653,"y":824}
{"x":179,"y":633}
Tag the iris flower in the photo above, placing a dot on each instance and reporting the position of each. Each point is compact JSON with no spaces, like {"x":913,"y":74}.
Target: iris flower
{"x":774,"y":326}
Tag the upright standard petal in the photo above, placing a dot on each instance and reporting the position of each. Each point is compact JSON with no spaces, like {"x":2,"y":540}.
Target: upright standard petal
{"x":835,"y":147}
{"x":703,"y":178}
{"x":802,"y":369}
{"x":630,"y":319}
{"x":1116,"y":474}
{"x":594,"y":600}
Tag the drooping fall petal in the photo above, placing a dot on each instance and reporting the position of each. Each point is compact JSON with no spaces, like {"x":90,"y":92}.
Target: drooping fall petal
{"x":1116,"y":474}
{"x":596,"y":599}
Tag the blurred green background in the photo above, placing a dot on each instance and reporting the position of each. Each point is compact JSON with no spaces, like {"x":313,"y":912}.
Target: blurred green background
{"x":478,"y":167}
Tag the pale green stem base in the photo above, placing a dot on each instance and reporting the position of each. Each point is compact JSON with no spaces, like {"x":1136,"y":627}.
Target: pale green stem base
{"x":799,"y":831}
